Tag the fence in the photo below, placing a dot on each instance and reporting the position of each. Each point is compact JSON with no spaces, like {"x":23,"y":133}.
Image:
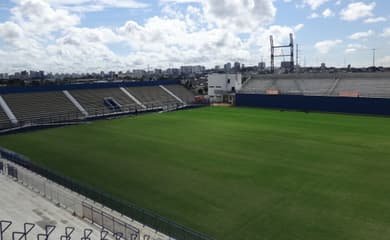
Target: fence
{"x":53,"y":192}
{"x":141,"y":215}
{"x":49,"y":230}
{"x":74,"y":203}
{"x":94,"y":113}
{"x":110,"y":222}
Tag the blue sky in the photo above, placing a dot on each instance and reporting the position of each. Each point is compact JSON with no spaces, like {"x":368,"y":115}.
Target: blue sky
{"x":121,"y":35}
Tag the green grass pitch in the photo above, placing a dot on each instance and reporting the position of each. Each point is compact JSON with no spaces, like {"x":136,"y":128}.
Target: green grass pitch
{"x":235,"y":173}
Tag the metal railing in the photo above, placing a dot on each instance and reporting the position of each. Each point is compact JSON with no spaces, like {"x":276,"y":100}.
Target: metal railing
{"x":109,"y":222}
{"x":144,"y":216}
{"x":49,"y":230}
{"x":94,"y":112}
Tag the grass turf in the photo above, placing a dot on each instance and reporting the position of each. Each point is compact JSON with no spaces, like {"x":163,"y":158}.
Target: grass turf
{"x":235,"y":173}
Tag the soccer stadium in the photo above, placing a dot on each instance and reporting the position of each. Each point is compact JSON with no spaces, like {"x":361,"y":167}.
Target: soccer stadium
{"x":296,"y":156}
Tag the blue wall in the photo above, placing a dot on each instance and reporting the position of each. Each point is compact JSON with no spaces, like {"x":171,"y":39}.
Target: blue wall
{"x":8,"y":90}
{"x":373,"y":106}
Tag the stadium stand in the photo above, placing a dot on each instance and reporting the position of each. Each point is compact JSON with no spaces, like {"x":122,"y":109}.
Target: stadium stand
{"x":316,"y":87}
{"x":41,"y":107}
{"x":4,"y":121}
{"x":258,"y":86}
{"x":367,"y":85}
{"x":181,"y":92}
{"x":152,"y":96}
{"x":103,"y":101}
{"x":57,"y":105}
{"x":373,"y":88}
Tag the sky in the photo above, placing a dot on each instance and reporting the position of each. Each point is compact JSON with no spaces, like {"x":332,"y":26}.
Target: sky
{"x":119,"y":35}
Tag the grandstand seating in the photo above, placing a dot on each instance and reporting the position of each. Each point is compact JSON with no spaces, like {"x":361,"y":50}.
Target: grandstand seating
{"x":317,"y":87}
{"x":41,"y":107}
{"x":4,"y":121}
{"x":152,"y":96}
{"x":321,"y":85}
{"x":93,"y":100}
{"x":258,"y":86}
{"x":56,"y":106}
{"x":181,"y":92}
{"x":366,"y":87}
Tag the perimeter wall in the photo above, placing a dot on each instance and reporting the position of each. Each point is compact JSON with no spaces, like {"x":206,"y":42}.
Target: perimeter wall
{"x":369,"y":106}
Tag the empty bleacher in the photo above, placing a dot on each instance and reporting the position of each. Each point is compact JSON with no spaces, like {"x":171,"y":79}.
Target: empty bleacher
{"x":93,"y":100}
{"x":41,"y":107}
{"x":287,"y":86}
{"x":321,"y":84}
{"x":4,"y":121}
{"x":181,"y":92}
{"x":74,"y":103}
{"x":376,"y":88}
{"x":317,"y":87}
{"x":152,"y":96}
{"x":258,"y":86}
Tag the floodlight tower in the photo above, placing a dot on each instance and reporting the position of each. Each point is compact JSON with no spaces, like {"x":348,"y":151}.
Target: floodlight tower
{"x":291,"y":55}
{"x":272,"y":54}
{"x":292,"y":52}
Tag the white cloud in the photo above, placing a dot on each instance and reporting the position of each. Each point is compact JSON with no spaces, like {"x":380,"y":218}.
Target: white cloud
{"x":41,"y":34}
{"x":239,"y":15}
{"x":386,"y":32}
{"x":356,"y":45}
{"x":92,"y":5}
{"x":324,"y":47}
{"x":362,"y":35}
{"x":298,"y":27}
{"x":313,"y":16}
{"x":10,"y":32}
{"x":384,"y":61}
{"x":314,"y":4}
{"x":350,"y":50}
{"x":38,"y":18}
{"x":76,"y":36}
{"x":357,"y":10}
{"x":375,"y":20}
{"x":353,"y":47}
{"x":327,"y":13}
